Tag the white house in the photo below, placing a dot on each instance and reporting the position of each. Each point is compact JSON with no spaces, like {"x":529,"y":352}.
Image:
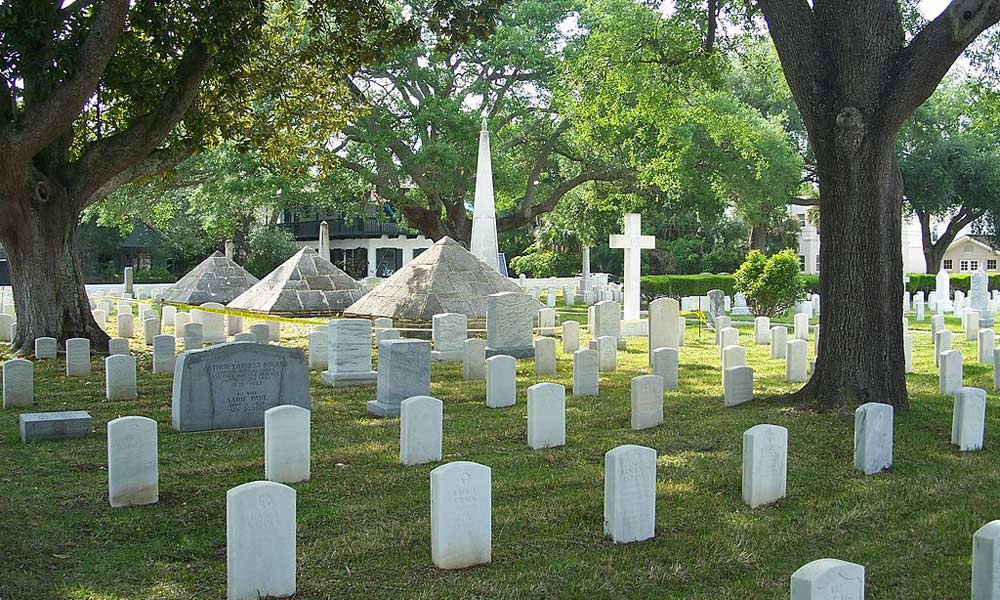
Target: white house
{"x":968,"y":253}
{"x":373,"y":246}
{"x":808,"y":238}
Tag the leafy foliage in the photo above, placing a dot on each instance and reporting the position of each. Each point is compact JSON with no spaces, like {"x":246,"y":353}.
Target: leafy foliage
{"x":950,"y":159}
{"x":545,"y":263}
{"x":771,"y":285}
{"x":268,"y":248}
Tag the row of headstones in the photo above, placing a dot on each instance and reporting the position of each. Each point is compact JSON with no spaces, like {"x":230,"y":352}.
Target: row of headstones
{"x":570,"y":295}
{"x":261,"y":523}
{"x":120,"y":366}
{"x":133,"y":454}
{"x":919,"y":306}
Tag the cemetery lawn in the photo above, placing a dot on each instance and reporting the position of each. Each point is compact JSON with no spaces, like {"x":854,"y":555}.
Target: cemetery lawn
{"x":364,"y":524}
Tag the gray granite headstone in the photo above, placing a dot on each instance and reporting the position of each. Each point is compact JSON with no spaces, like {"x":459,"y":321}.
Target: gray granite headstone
{"x":404,"y":371}
{"x":716,"y":304}
{"x":54,"y":425}
{"x":229,"y":386}
{"x":510,"y":317}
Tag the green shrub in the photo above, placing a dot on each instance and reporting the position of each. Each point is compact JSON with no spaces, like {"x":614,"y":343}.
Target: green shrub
{"x":544,"y":263}
{"x":771,"y":285}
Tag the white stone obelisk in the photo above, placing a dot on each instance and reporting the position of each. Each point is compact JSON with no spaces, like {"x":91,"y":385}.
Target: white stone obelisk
{"x":484,"y":213}
{"x":230,"y":249}
{"x":324,"y":240}
{"x":585,"y":277}
{"x":633,"y":242}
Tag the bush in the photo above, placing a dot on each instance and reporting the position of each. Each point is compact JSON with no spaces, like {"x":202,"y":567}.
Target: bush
{"x":771,"y":285}
{"x":544,"y":263}
{"x":927,"y":282}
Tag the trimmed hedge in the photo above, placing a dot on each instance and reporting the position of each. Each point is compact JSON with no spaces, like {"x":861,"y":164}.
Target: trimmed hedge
{"x":677,"y":286}
{"x":926,"y":282}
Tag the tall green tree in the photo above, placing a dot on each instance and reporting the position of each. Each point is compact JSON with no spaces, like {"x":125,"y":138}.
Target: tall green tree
{"x":96,"y":93}
{"x":415,"y":142}
{"x":857,"y":71}
{"x":950,"y":161}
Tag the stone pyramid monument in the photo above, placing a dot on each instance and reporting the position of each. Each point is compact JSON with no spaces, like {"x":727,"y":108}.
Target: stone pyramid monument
{"x":216,"y":279}
{"x":445,"y":278}
{"x":305,"y":284}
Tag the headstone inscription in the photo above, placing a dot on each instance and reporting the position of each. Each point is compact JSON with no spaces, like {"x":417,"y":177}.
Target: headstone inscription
{"x":230,"y":386}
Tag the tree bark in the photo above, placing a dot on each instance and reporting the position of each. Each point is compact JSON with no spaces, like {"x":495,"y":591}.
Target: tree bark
{"x":856,"y":78}
{"x":758,"y":237}
{"x":861,"y":286}
{"x":49,"y":293}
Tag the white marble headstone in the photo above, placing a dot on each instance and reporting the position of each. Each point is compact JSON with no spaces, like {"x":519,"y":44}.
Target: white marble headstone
{"x":968,"y":419}
{"x":873,"y":437}
{"x":120,"y":377}
{"x":630,"y":494}
{"x":647,"y":402}
{"x":420,"y":430}
{"x":260,"y":541}
{"x":461,"y":515}
{"x":765,"y":464}
{"x":586,"y":372}
{"x":828,"y":579}
{"x":546,"y":416}
{"x":18,"y":383}
{"x":287,"y":432}
{"x":133,"y":462}
{"x":501,"y":381}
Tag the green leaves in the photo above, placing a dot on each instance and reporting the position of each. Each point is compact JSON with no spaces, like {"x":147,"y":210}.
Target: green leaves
{"x":771,"y":285}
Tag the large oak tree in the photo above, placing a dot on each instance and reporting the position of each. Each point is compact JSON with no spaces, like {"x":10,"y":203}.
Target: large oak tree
{"x":95,"y":93}
{"x":857,"y":74}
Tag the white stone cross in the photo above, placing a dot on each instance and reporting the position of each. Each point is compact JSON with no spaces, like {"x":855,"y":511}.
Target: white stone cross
{"x":633,"y":242}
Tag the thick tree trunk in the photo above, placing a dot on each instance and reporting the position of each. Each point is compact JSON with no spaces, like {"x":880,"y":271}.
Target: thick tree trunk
{"x":861,"y":341}
{"x":758,"y":237}
{"x":49,"y":294}
{"x":933,"y":254}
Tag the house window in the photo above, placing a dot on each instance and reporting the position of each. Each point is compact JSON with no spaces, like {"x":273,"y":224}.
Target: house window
{"x":802,"y":219}
{"x":963,"y":266}
{"x":817,"y":262}
{"x":802,"y":262}
{"x":947,"y":264}
{"x":973,"y":265}
{"x":991,"y":264}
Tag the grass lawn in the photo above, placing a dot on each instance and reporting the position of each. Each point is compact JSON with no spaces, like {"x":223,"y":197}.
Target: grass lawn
{"x":364,"y":520}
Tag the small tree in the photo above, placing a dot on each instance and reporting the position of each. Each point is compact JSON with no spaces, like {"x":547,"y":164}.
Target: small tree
{"x":771,"y":285}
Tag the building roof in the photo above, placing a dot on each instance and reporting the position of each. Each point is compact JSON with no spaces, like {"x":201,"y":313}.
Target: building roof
{"x":985,"y":240}
{"x":445,"y":278}
{"x":216,"y":279}
{"x":305,"y":284}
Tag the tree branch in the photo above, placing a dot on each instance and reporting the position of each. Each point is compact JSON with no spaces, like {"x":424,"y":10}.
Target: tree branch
{"x":793,"y":29}
{"x":526,"y":214}
{"x":158,"y":162}
{"x":932,"y":52}
{"x":107,"y":158}
{"x":539,"y":163}
{"x":43,"y":123}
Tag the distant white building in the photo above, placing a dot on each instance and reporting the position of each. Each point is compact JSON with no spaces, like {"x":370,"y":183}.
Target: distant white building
{"x":376,"y":245}
{"x":808,"y":251}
